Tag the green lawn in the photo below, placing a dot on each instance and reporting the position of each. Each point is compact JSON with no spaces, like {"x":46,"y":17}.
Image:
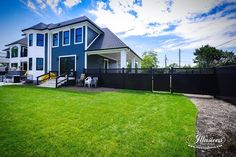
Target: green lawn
{"x":56,"y":122}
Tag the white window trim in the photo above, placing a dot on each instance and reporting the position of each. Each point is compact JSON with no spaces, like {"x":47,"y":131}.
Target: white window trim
{"x":75,"y":35}
{"x":59,"y":70}
{"x":57,"y":40}
{"x":63,"y":38}
{"x":106,"y":60}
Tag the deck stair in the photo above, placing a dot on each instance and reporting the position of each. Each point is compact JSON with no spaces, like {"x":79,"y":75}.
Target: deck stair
{"x":51,"y":83}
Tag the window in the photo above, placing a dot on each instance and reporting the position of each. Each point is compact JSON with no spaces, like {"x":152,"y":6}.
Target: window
{"x":40,"y":39}
{"x":23,"y":51}
{"x":30,"y":63}
{"x":31,"y":40}
{"x":55,"y":40}
{"x":39,"y":63}
{"x":23,"y":66}
{"x":8,"y":54}
{"x":14,"y":52}
{"x":66,"y":38}
{"x":14,"y":65}
{"x":78,"y":35}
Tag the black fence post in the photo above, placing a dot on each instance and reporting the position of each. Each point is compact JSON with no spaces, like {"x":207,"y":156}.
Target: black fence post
{"x":49,"y":75}
{"x":123,"y":78}
{"x":152,"y":79}
{"x":215,"y":82}
{"x":171,"y":79}
{"x":56,"y":82}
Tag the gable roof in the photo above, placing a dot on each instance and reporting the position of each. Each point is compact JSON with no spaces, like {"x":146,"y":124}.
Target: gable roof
{"x":108,"y":40}
{"x":22,"y":41}
{"x":43,"y":26}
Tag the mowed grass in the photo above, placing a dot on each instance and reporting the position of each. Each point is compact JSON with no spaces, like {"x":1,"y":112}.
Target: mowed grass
{"x":56,"y":122}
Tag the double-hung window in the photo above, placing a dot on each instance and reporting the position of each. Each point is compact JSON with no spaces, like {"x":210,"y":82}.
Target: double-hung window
{"x":30,"y":39}
{"x":78,"y":35}
{"x":39,"y":63}
{"x":30,"y":63}
{"x":40,"y":39}
{"x":66,"y":37}
{"x":55,"y":40}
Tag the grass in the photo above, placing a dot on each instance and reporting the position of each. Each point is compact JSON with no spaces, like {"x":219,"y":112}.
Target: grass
{"x":55,"y":122}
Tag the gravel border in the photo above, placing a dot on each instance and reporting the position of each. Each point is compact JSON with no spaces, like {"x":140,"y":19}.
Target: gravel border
{"x":219,"y":117}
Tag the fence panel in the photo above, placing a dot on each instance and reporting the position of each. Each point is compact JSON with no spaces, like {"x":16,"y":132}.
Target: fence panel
{"x":193,"y":80}
{"x":138,"y":81}
{"x":161,"y":79}
{"x":226,"y":83}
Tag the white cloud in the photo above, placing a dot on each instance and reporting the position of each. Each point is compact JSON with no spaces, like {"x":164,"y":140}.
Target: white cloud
{"x":41,"y":4}
{"x":71,"y":3}
{"x":53,"y":4}
{"x":153,"y":17}
{"x":32,"y":6}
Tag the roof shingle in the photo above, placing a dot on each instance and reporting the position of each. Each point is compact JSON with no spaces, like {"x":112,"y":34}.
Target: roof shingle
{"x":22,"y":41}
{"x":43,"y":26}
{"x":107,"y":40}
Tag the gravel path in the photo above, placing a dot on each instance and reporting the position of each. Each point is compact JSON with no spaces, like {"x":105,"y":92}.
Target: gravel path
{"x":219,"y":117}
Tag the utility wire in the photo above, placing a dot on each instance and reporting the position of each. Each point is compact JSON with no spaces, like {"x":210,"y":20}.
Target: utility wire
{"x":226,"y":42}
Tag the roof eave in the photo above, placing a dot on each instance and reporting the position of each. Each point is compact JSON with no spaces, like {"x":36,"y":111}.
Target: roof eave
{"x":117,"y":48}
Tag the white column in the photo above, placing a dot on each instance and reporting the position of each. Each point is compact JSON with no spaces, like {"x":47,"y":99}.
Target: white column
{"x":85,"y":60}
{"x":49,"y":52}
{"x":123,"y":60}
{"x":133,"y":63}
{"x":139,"y":64}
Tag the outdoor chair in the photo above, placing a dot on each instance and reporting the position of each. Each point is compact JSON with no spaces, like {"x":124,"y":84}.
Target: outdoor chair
{"x":81,"y":80}
{"x":94,"y":82}
{"x":87,"y":81}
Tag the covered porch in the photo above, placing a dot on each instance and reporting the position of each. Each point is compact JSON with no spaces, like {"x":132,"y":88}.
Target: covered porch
{"x":112,"y":59}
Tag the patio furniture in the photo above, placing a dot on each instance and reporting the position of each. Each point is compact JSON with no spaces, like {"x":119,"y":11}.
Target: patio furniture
{"x":80,"y":81}
{"x":87,"y":81}
{"x":94,"y":82}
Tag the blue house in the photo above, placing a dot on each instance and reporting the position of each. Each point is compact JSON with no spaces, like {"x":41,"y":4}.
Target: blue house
{"x":71,"y":45}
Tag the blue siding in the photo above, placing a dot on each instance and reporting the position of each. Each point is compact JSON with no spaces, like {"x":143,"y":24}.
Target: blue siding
{"x":72,"y":49}
{"x":91,"y":35}
{"x":46,"y":53}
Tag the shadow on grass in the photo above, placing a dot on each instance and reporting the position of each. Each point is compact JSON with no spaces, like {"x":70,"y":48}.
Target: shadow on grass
{"x":74,"y":91}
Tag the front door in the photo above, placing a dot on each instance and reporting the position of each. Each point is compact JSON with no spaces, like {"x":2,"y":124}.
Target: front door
{"x":67,"y":64}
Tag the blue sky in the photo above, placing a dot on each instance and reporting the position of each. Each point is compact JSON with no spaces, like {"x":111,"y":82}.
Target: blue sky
{"x":160,"y":25}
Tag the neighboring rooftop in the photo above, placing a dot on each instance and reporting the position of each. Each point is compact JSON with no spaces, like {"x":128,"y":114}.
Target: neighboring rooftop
{"x":22,"y":41}
{"x":7,"y":49}
{"x":43,"y":26}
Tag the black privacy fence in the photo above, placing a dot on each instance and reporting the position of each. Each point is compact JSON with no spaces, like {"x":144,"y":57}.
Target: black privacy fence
{"x":218,"y":81}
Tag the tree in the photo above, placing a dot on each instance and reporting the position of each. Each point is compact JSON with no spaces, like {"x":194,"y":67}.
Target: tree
{"x":187,"y":66}
{"x":149,"y":59}
{"x":228,"y":58}
{"x":173,"y":65}
{"x":208,"y":56}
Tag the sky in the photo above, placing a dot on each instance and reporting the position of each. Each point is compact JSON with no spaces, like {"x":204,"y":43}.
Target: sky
{"x":164,"y":26}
